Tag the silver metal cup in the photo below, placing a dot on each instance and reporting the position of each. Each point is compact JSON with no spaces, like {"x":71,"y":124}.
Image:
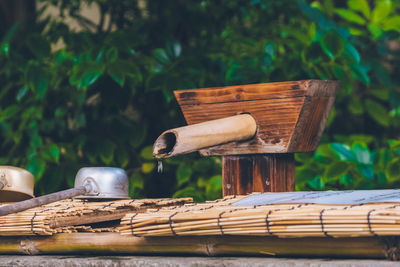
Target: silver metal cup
{"x":107,"y":182}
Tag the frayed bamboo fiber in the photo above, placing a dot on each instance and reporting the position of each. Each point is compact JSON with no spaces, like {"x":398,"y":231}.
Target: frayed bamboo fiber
{"x":111,"y":243}
{"x":281,"y":220}
{"x":65,"y":216}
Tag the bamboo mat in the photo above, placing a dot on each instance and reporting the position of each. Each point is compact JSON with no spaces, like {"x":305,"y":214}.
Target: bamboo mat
{"x":280,"y":220}
{"x":68,"y":216}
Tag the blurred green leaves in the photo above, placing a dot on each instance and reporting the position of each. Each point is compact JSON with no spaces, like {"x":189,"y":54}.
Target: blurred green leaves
{"x":381,"y":10}
{"x":350,"y":167}
{"x":85,"y":73}
{"x":360,"y":5}
{"x":38,"y":45}
{"x":332,"y":44}
{"x":377,"y":112}
{"x":37,"y":80}
{"x":350,"y":16}
{"x":183,"y":174}
{"x":393,"y":170}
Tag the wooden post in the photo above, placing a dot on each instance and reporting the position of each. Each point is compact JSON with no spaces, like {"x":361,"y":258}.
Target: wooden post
{"x":243,"y":174}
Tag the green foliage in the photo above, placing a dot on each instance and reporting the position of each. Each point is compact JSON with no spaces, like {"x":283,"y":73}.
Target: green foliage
{"x":365,"y":116}
{"x":340,"y":166}
{"x":102,"y":94}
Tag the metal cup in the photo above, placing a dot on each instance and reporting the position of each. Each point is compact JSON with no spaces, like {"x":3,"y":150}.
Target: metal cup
{"x":108,"y":183}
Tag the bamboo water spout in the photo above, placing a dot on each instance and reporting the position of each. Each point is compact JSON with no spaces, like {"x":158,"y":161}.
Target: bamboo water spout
{"x":194,"y":137}
{"x":290,"y":118}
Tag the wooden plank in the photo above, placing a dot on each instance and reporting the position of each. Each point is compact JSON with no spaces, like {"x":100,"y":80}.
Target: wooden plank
{"x":243,"y":174}
{"x":255,"y":92}
{"x":311,"y":124}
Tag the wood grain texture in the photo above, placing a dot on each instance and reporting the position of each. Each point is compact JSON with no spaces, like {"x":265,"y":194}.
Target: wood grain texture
{"x":244,"y":174}
{"x":276,"y":119}
{"x":290,"y":115}
{"x":255,"y":92}
{"x":310,"y":124}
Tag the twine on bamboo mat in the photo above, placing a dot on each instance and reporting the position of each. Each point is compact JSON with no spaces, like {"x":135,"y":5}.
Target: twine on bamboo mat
{"x":219,"y":222}
{"x":171,"y":222}
{"x":33,"y":218}
{"x":267,"y":222}
{"x":369,"y":222}
{"x":322,"y":223}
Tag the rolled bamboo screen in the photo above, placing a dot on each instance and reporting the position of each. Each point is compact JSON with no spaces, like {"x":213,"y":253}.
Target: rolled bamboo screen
{"x":281,"y":220}
{"x":67,"y":216}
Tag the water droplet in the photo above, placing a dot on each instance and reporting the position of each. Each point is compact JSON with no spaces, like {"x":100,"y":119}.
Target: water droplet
{"x":159,"y":166}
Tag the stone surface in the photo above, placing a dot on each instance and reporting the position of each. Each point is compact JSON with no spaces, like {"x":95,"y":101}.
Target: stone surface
{"x":108,"y":261}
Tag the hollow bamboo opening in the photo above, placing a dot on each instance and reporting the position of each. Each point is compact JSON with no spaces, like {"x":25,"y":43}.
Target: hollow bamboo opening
{"x":194,"y":137}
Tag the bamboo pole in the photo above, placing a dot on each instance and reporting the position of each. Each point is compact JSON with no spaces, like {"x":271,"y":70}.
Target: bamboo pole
{"x":110,"y":243}
{"x":206,"y":134}
{"x":43,"y":200}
